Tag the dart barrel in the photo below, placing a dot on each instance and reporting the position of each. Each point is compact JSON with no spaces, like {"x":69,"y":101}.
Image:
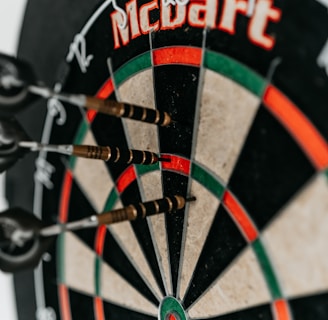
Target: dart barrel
{"x":130,"y":111}
{"x":115,"y":154}
{"x":142,"y":210}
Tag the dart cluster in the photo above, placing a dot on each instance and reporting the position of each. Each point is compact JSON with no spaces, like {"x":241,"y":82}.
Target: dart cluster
{"x":23,"y":237}
{"x":18,"y":87}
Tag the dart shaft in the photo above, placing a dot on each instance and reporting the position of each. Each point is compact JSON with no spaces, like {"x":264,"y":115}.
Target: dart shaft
{"x":109,"y":107}
{"x":89,"y":222}
{"x":35,"y":146}
{"x":111,"y":154}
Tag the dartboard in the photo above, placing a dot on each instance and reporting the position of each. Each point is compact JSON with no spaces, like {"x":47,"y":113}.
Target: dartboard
{"x":246,"y":85}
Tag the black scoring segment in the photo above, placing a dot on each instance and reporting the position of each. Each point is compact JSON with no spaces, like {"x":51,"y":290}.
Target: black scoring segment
{"x":270,"y":170}
{"x":109,"y":131}
{"x":299,"y":73}
{"x":81,"y":305}
{"x":116,"y":258}
{"x":174,"y":184}
{"x":176,"y":93}
{"x":224,"y":242}
{"x":263,"y":312}
{"x":308,"y":308}
{"x":114,"y":312}
{"x":130,"y":196}
{"x":79,"y":208}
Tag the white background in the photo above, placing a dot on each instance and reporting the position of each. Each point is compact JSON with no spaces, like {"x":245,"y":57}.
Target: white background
{"x":11,"y":13}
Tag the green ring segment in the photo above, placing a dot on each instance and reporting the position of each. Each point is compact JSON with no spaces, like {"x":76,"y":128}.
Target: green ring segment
{"x":170,"y":305}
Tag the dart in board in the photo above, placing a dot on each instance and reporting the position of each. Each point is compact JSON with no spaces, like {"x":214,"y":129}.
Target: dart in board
{"x":230,"y":101}
{"x":13,"y":147}
{"x":20,"y":228}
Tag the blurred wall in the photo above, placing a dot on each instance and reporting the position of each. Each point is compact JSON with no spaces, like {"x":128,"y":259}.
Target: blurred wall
{"x":11,"y":14}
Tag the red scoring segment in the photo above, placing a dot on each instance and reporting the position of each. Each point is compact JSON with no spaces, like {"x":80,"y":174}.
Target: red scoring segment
{"x":308,"y":137}
{"x":281,"y":310}
{"x":105,"y":91}
{"x":172,"y":316}
{"x":91,"y":114}
{"x":65,"y":197}
{"x":65,"y":308}
{"x":177,"y":164}
{"x":126,"y":178}
{"x":176,"y":55}
{"x":100,"y":240}
{"x":99,"y":308}
{"x":240,"y":216}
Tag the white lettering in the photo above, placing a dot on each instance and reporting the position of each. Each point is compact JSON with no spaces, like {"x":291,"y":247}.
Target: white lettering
{"x":145,"y":24}
{"x":44,"y":171}
{"x":56,"y":108}
{"x":264,"y":12}
{"x":323,"y":58}
{"x":199,"y":14}
{"x":230,"y":10}
{"x":124,"y":22}
{"x":171,"y":22}
{"x":78,"y":49}
{"x":203,"y":15}
{"x":118,"y":20}
{"x":250,"y":7}
{"x":175,"y":2}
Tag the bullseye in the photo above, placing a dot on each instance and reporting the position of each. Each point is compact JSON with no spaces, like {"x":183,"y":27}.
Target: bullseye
{"x":172,"y":316}
{"x":171,"y":309}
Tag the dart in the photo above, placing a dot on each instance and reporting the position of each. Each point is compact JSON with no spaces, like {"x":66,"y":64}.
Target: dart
{"x":107,"y":153}
{"x":109,"y":107}
{"x":129,"y":213}
{"x":18,"y":86}
{"x":24,"y":239}
{"x":15,"y":143}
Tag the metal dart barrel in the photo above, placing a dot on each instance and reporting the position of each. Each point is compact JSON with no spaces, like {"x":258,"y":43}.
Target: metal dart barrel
{"x":107,"y":153}
{"x":115,"y":154}
{"x":130,"y":111}
{"x":142,"y":210}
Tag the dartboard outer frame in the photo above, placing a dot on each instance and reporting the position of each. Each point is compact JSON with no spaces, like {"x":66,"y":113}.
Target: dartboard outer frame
{"x":249,"y":141}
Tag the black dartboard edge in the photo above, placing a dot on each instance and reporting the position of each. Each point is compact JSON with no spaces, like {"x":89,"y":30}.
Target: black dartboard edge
{"x":246,"y":83}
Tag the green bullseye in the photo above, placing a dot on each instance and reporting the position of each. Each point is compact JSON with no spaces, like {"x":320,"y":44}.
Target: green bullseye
{"x":171,"y":309}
